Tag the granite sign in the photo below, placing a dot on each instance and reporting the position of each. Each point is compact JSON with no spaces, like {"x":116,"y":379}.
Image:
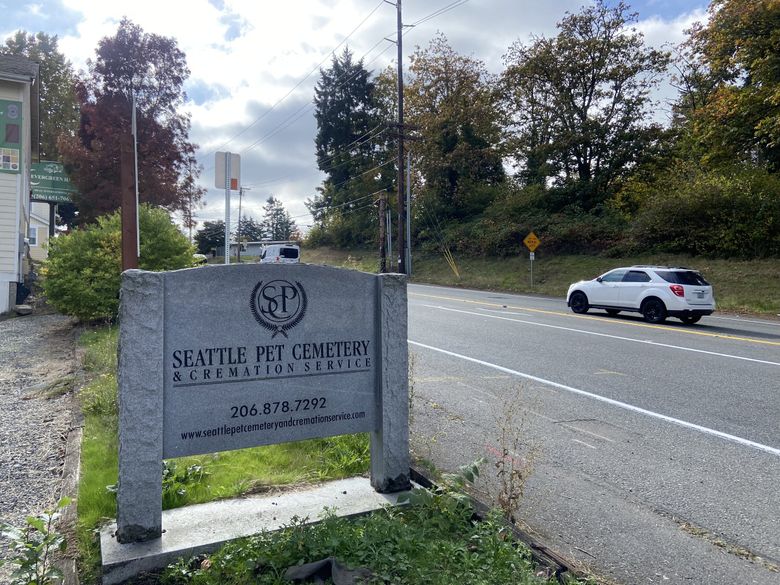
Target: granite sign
{"x":227,"y":357}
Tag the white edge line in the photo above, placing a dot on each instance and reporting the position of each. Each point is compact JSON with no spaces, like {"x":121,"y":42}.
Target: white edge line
{"x":623,"y":405}
{"x":645,"y":341}
{"x":741,"y":320}
{"x":583,"y":443}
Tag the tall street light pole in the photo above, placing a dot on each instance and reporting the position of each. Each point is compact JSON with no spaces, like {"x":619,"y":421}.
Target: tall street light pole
{"x":401,"y":196}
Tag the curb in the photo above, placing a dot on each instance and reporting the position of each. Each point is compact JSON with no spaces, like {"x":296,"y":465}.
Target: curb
{"x":71,"y":470}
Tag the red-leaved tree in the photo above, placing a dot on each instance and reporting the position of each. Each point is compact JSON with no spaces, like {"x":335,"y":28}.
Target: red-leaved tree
{"x":154,"y":69}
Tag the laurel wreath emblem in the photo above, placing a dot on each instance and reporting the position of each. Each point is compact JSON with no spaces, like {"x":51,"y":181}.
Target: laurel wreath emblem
{"x":277,"y":329}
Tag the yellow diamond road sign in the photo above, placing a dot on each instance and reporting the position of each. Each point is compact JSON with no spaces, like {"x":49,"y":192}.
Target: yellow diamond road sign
{"x":531,"y":241}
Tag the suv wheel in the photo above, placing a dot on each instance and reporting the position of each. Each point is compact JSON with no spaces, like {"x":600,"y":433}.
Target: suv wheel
{"x":690,"y":319}
{"x":579,"y":302}
{"x":654,"y":311}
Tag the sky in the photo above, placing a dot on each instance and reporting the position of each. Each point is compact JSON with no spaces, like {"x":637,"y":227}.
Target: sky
{"x":254,"y":65}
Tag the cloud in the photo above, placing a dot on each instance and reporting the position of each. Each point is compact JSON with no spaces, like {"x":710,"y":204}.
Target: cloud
{"x":660,"y":32}
{"x":247,"y":56}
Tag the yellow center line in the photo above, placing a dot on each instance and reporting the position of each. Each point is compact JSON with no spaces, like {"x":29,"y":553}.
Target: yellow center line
{"x":604,"y":319}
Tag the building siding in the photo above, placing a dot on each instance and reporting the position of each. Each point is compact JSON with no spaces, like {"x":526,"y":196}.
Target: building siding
{"x":9,"y":231}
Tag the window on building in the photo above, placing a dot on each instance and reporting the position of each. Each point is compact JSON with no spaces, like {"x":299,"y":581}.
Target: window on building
{"x":12,"y":133}
{"x":32,"y":236}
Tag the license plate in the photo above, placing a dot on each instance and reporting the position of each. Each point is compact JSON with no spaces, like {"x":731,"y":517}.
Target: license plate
{"x":700,"y":294}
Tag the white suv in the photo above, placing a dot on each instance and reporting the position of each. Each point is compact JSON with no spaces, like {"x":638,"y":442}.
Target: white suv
{"x":655,"y":291}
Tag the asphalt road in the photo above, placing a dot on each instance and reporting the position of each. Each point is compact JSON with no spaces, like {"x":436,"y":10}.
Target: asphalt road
{"x":654,"y":449}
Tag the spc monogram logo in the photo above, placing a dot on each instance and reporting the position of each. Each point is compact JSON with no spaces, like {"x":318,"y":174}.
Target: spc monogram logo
{"x":278,"y":305}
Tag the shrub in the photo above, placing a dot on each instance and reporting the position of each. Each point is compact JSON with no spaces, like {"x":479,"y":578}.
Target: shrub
{"x":500,"y":230}
{"x":731,"y":212}
{"x":82,"y":273}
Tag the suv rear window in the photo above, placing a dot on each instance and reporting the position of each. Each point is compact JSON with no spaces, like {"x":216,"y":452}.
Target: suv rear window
{"x":288,"y":252}
{"x":683,"y":277}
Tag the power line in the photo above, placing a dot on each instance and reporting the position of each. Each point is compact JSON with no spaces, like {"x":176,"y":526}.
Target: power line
{"x":297,"y":85}
{"x":298,"y":114}
{"x":439,"y":12}
{"x":377,"y":167}
{"x":350,"y":202}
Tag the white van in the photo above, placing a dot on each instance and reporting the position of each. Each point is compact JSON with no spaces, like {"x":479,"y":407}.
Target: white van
{"x":280,"y":254}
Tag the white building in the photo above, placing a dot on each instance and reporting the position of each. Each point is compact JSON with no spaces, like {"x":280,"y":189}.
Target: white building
{"x":38,"y":231}
{"x":18,"y":118}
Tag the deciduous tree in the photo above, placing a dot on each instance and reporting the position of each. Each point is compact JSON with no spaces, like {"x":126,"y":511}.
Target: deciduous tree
{"x":450,"y":102}
{"x":59,"y":113}
{"x":740,"y":47}
{"x":153,"y":69}
{"x":579,"y":101}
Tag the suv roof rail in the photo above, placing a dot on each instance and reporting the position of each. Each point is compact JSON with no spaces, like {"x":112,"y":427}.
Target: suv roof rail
{"x":656,"y":266}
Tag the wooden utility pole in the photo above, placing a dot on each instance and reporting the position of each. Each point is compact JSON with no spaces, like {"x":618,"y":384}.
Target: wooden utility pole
{"x":129,"y":207}
{"x":238,"y":229}
{"x":382,"y":236}
{"x":400,"y":163}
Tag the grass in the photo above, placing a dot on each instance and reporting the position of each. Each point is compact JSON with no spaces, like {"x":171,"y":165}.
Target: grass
{"x":227,"y":474}
{"x":434,"y":542}
{"x":741,"y":286}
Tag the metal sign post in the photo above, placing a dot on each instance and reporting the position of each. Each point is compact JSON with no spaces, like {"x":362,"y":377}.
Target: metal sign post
{"x":532,"y":242}
{"x":227,"y":208}
{"x":228,"y":176}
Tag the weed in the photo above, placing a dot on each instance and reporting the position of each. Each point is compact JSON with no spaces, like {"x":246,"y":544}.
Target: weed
{"x":100,"y":349}
{"x":412,"y":364}
{"x":33,"y":546}
{"x":175,"y":482}
{"x":515,"y":455}
{"x":448,"y":502}
{"x":414,"y":544}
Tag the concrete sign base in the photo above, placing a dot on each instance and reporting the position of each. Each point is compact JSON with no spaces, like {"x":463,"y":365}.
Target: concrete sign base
{"x":204,"y":528}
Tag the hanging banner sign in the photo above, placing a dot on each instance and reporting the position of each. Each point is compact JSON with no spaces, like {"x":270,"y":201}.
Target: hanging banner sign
{"x":49,"y":182}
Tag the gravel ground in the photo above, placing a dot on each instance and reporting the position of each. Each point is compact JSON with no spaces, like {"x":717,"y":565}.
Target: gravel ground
{"x":36,"y":352}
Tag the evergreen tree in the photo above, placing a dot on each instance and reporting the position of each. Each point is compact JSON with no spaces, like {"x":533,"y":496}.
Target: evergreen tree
{"x":210,"y":236}
{"x":346,"y":149}
{"x":277,"y":224}
{"x":251,"y":230}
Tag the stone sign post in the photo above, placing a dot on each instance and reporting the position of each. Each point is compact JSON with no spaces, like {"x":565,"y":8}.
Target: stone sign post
{"x":227,"y":357}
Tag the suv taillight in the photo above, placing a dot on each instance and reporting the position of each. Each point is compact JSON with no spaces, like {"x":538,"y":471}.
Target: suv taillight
{"x":678,"y":290}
